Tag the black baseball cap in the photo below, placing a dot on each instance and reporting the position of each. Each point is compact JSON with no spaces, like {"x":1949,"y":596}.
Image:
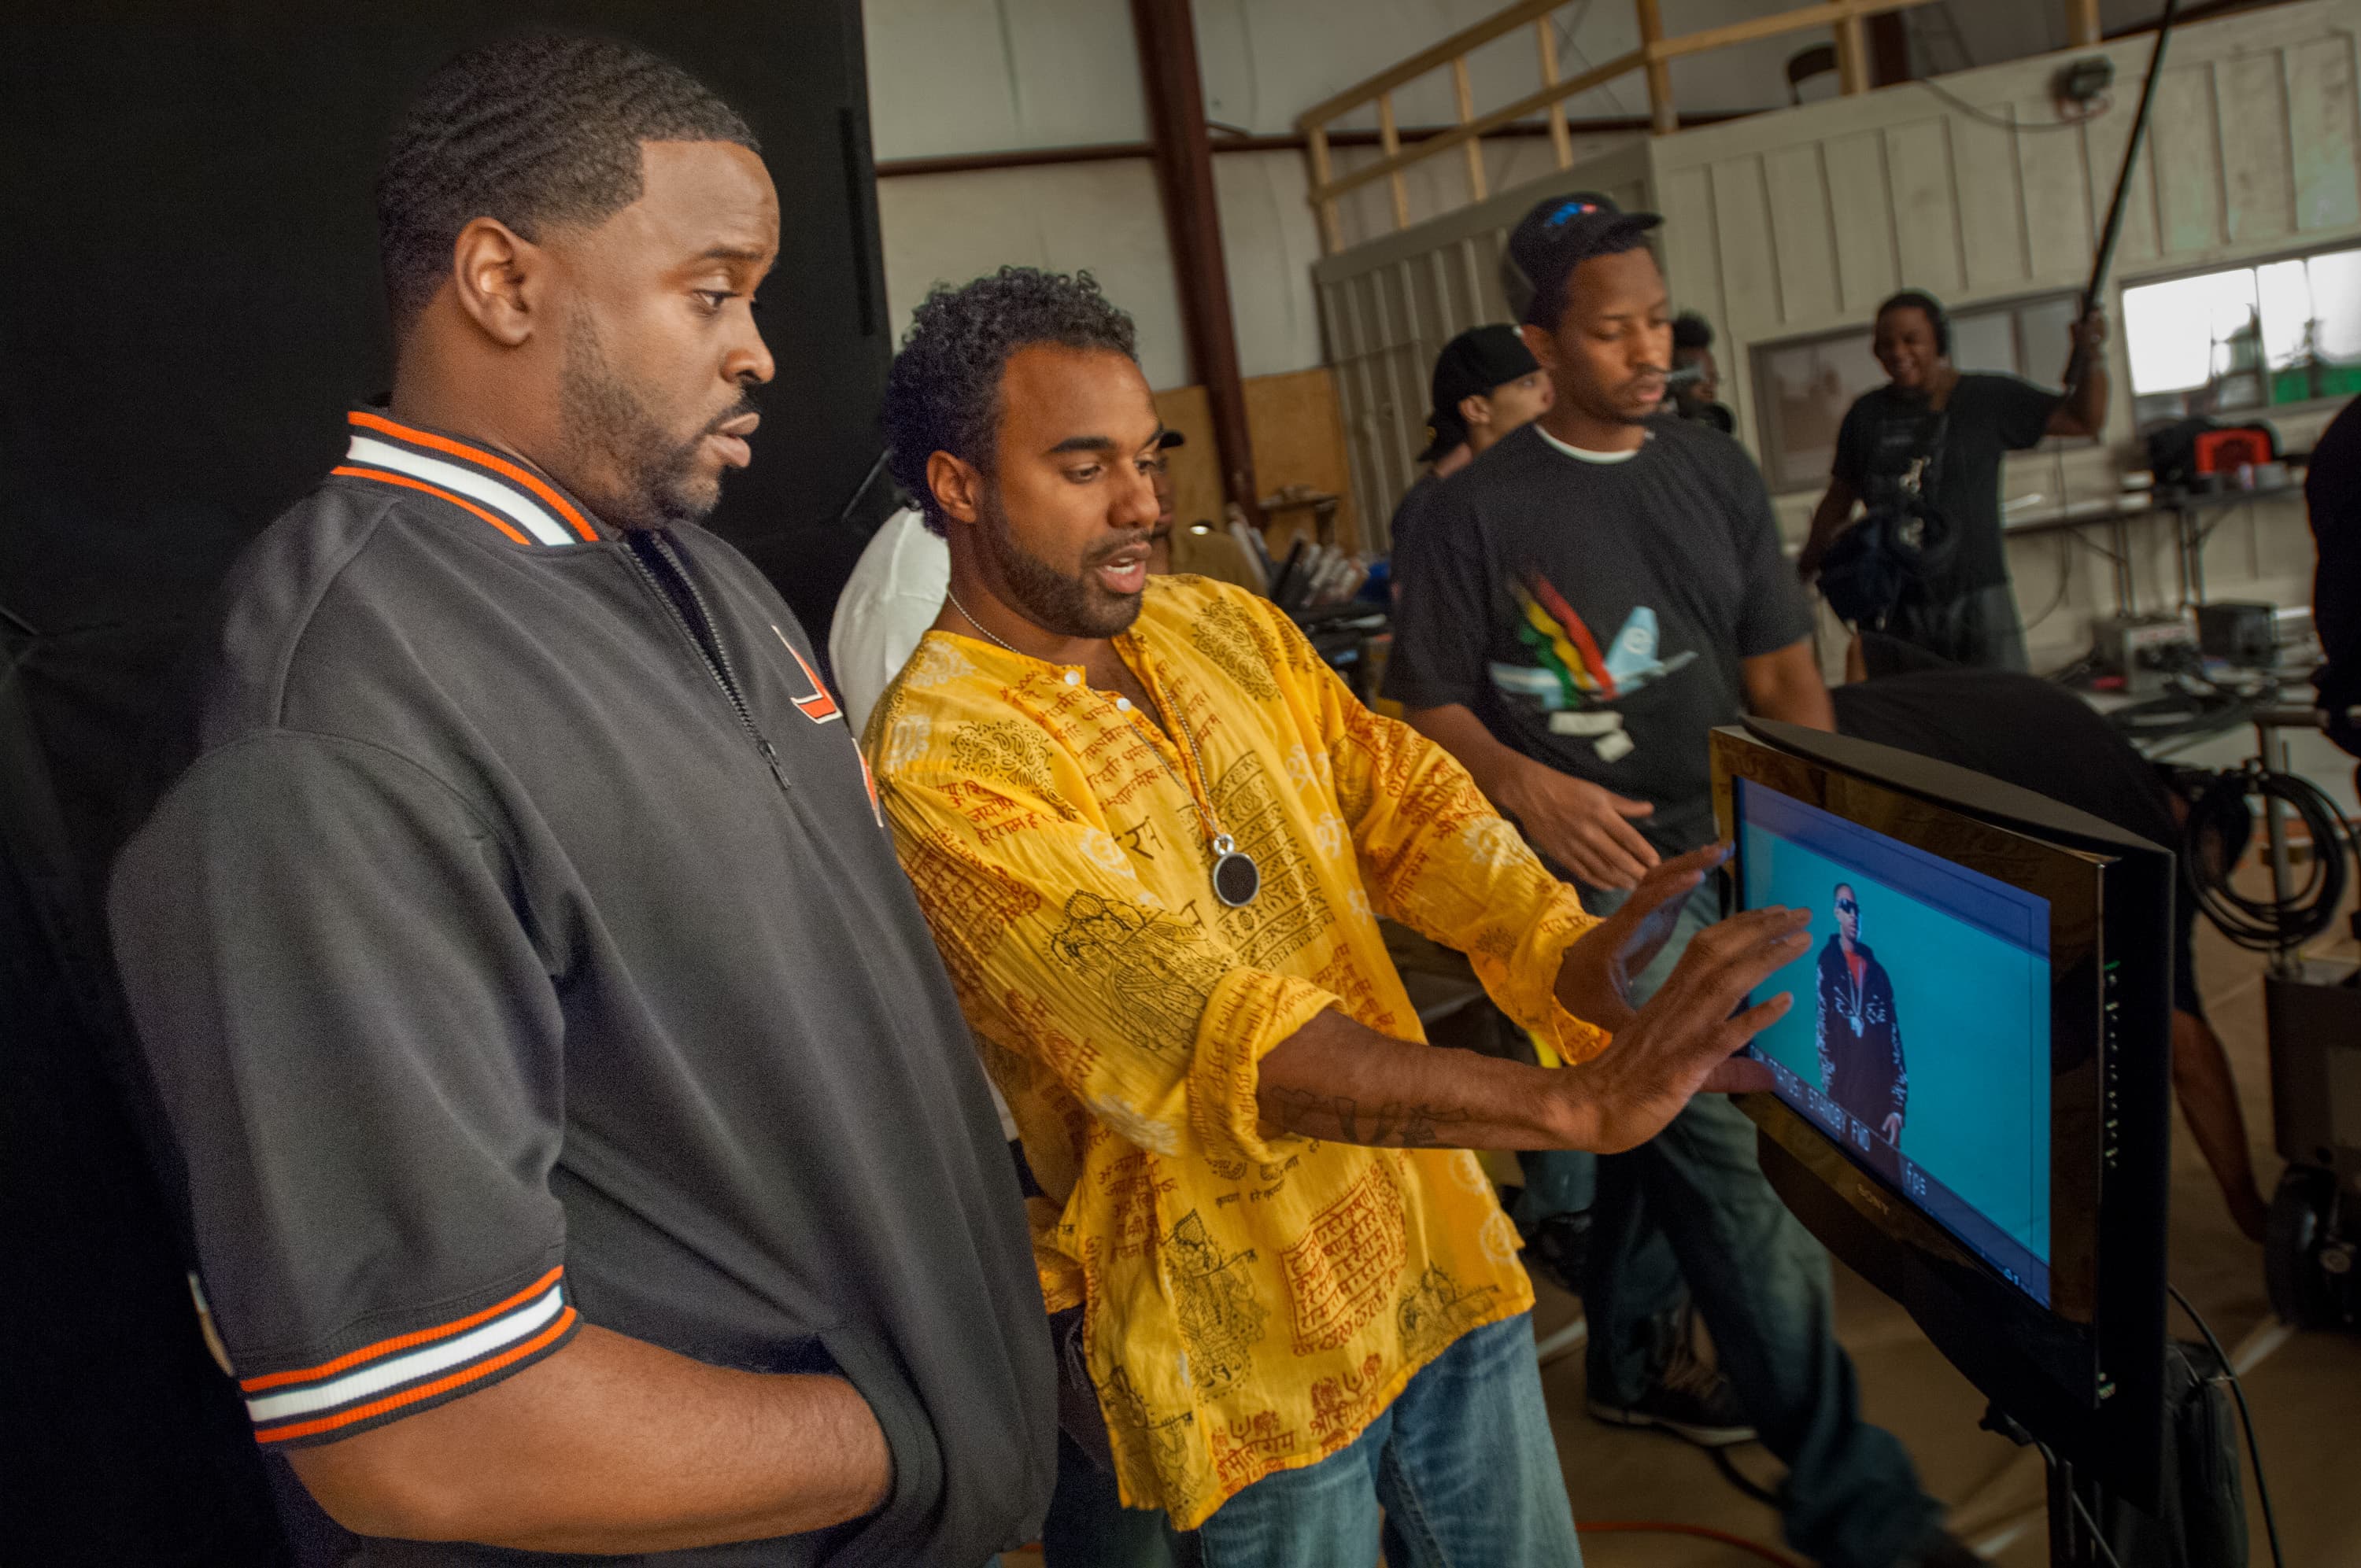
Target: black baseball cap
{"x":1470,"y":366}
{"x":1556,"y":237}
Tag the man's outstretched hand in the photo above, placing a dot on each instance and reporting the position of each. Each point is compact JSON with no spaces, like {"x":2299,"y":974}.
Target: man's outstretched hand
{"x":1682,"y":1042}
{"x":1594,"y":983}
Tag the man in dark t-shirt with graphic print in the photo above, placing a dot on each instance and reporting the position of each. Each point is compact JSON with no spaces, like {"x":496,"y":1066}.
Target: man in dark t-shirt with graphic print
{"x":1940,"y":433}
{"x":1582,"y":603}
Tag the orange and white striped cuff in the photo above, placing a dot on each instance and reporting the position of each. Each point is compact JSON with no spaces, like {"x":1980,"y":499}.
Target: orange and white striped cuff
{"x":379,"y":1382}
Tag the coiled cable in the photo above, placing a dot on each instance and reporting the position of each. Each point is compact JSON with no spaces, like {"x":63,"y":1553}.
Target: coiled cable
{"x":2218,"y":826}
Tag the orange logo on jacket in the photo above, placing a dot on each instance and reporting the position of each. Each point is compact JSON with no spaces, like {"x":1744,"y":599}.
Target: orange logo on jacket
{"x":819,"y":707}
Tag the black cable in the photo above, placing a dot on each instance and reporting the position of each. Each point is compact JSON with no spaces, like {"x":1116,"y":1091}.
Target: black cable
{"x":2246,"y":1419}
{"x":2272,"y":924}
{"x":1740,"y":1479}
{"x":2098,"y":1536}
{"x":2065,"y":579}
{"x":2062,"y":123}
{"x":862,"y":488}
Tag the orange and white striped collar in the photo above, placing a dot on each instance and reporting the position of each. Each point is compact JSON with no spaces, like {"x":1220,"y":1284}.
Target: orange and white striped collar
{"x":499,"y":490}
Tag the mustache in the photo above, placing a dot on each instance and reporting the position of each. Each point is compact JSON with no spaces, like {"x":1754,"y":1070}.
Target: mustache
{"x":1115,"y":547}
{"x":745,"y":405}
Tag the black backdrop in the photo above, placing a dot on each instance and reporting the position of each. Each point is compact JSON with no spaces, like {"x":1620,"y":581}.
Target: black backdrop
{"x":189,"y":300}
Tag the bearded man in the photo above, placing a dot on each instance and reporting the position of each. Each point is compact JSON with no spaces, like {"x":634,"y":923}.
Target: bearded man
{"x":1153,"y":833}
{"x":582,"y":1151}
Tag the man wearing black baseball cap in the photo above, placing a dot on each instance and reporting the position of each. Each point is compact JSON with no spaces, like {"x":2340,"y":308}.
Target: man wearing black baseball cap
{"x":1487,"y":383}
{"x":1578,"y":608}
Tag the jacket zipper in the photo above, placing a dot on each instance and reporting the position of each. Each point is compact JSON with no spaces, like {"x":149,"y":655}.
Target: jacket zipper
{"x":652,"y":556}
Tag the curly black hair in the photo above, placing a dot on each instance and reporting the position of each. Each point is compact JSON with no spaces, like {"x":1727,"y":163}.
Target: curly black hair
{"x":1691,"y":330}
{"x":534,"y":130}
{"x":943,"y":393}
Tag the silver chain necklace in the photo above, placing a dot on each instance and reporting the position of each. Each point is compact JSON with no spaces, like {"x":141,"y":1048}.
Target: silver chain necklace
{"x":1237,"y":878}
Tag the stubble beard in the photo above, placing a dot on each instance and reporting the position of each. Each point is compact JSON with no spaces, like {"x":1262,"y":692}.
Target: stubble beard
{"x":1068,"y":606}
{"x":609,"y":428}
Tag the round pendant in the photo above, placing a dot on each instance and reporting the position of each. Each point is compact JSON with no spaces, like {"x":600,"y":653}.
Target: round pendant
{"x":1237,"y":879}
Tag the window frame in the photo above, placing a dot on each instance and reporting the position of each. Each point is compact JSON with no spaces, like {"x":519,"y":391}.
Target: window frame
{"x":2127,"y":283}
{"x":1772,"y":451}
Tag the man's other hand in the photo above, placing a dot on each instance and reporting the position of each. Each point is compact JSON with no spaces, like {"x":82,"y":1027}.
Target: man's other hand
{"x":1583,"y":828}
{"x":1594,"y":983}
{"x":1893,"y":1128}
{"x":1681,"y":1044}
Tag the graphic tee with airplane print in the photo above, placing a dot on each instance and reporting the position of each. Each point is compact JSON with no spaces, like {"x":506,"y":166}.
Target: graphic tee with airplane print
{"x":1594,"y":609}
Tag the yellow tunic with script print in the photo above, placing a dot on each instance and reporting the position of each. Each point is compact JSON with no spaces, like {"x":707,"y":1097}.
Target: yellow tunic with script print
{"x":1253,"y":1300}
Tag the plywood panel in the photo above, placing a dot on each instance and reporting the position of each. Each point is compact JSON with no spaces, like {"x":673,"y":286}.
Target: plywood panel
{"x":2186,"y":132}
{"x":2255,"y":152}
{"x":1750,"y":265}
{"x":1804,"y":235}
{"x":1692,"y":253}
{"x":1298,"y":430}
{"x":1862,"y":214}
{"x":2321,"y":108}
{"x":1196,"y":466}
{"x":1926,"y":205}
{"x":1991,"y":208}
{"x":2050,"y":170}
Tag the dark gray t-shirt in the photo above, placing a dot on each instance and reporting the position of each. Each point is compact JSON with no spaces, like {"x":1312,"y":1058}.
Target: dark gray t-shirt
{"x":493,"y":980}
{"x":1595,"y":615}
{"x":1411,"y":510}
{"x":1986,"y":417}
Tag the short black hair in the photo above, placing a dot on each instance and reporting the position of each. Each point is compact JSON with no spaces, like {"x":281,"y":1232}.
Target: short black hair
{"x":1927,"y":304}
{"x":1691,"y":330}
{"x":943,"y":392}
{"x":533,"y":130}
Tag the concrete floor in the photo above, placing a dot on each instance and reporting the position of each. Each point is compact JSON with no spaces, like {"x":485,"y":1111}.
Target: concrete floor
{"x":2306,"y":1392}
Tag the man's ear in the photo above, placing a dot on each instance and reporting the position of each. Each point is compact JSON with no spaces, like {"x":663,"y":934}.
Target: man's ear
{"x":957,"y":486}
{"x":1476,"y":409}
{"x":1540,"y":344}
{"x":498,"y":276}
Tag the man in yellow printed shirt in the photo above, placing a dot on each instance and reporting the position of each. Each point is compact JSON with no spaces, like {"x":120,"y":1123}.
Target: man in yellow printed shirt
{"x":1152,"y":833}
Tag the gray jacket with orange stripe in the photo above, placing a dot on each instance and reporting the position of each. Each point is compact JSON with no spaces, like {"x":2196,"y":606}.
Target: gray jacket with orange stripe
{"x":517,"y":946}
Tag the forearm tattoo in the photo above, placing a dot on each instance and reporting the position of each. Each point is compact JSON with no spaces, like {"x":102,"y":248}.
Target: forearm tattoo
{"x":1342,"y":1119}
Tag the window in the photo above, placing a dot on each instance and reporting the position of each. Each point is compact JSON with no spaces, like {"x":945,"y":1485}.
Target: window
{"x":1803,"y":389}
{"x":2246,"y":337}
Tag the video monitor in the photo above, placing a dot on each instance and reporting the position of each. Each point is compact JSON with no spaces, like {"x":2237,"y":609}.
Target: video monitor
{"x":1919,"y":1037}
{"x":1969,"y":1094}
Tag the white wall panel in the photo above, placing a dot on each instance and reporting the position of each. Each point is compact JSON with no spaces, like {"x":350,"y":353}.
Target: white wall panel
{"x":2187,"y":153}
{"x":2255,"y":155}
{"x":1925,"y":206}
{"x":1992,"y":230}
{"x":947,"y":229}
{"x":1803,"y":233}
{"x":2322,"y":112}
{"x":1863,"y":211}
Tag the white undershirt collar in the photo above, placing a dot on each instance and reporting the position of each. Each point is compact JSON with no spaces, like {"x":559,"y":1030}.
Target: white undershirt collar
{"x":1588,"y":455}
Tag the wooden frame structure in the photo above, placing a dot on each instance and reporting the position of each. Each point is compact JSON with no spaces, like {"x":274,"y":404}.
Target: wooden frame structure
{"x":1654,"y":56}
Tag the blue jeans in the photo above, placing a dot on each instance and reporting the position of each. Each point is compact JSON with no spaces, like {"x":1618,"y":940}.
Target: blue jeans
{"x":1690,"y":1208}
{"x":1462,"y":1464}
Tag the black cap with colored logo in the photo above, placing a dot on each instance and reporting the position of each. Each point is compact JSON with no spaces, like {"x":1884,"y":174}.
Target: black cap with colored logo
{"x":1553,"y":240}
{"x":1470,"y":366}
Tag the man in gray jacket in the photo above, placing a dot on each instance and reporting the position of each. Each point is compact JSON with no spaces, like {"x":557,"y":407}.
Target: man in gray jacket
{"x":583,"y":1150}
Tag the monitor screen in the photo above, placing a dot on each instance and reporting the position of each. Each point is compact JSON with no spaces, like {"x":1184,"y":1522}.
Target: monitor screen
{"x":1919,"y":1037}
